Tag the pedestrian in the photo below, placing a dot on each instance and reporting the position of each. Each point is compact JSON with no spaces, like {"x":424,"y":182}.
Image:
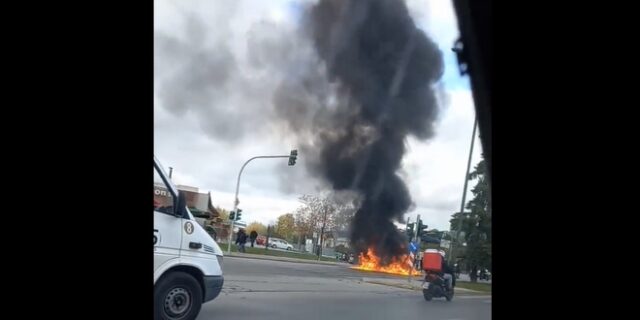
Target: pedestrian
{"x":253,"y":236}
{"x":241,"y":240}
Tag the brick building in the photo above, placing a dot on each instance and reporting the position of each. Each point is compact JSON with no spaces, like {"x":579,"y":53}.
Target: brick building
{"x":200,"y":205}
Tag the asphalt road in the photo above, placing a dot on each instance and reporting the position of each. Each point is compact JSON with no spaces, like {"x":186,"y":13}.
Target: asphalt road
{"x":263,"y":290}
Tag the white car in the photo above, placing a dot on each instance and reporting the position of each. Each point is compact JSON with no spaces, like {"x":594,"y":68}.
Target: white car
{"x":280,"y":244}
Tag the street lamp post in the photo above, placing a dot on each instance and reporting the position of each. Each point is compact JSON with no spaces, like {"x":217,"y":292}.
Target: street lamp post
{"x":294,"y":154}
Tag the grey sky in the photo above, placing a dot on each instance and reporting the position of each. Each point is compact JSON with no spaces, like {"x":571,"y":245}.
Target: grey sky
{"x":217,"y":64}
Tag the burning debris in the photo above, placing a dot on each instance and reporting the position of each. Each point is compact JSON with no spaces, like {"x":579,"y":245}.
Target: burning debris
{"x":369,"y":261}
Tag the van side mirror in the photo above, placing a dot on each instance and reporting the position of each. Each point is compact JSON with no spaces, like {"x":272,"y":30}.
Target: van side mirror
{"x":181,"y":207}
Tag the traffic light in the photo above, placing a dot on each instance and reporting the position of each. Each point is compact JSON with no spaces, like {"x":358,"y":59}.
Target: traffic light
{"x":422,"y":229}
{"x":409,"y":231}
{"x":293,"y":156}
{"x":234,"y":217}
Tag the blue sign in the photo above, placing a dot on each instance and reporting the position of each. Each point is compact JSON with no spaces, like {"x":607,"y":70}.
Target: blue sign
{"x":412,"y":247}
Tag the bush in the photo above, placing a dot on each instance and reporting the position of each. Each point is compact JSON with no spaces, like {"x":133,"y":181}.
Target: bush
{"x":341,"y":248}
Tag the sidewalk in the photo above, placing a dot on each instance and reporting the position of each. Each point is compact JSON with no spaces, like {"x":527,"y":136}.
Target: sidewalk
{"x":276,"y":258}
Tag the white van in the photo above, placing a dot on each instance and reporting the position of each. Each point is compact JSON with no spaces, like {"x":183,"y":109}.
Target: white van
{"x":187,"y":262}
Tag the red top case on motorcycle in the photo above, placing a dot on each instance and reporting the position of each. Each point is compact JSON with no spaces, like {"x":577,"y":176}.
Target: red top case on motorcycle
{"x":432,"y":261}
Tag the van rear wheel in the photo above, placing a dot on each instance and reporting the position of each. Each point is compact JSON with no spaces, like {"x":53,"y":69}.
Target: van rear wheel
{"x":177,"y":296}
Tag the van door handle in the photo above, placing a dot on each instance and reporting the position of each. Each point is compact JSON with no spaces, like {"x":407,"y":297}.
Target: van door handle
{"x":195,"y":245}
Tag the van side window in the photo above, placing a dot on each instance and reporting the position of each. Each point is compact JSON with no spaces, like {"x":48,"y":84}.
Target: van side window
{"x":162,"y":197}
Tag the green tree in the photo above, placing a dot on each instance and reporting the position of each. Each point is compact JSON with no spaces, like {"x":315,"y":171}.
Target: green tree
{"x":476,"y":224}
{"x":321,"y":212}
{"x":258,"y":227}
{"x":224,"y":214}
{"x":302,"y":224}
{"x":343,"y":216}
{"x":285,"y":226}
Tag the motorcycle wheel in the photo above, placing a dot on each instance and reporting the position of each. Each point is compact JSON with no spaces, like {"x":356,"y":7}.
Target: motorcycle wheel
{"x":427,"y":295}
{"x":449,"y":296}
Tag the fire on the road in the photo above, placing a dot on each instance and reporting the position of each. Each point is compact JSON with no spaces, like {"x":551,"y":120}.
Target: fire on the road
{"x":371,"y":262}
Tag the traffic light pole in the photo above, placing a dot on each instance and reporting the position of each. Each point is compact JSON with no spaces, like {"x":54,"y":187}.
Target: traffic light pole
{"x":235,"y":203}
{"x":417,"y":230}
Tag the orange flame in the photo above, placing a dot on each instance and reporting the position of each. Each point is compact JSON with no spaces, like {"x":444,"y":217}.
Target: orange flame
{"x":371,"y":262}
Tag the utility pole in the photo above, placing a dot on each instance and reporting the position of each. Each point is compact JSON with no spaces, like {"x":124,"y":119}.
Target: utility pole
{"x":415,"y":232}
{"x":464,"y":193}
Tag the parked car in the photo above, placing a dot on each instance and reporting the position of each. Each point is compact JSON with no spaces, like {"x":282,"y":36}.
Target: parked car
{"x":279,"y":244}
{"x":484,"y":275}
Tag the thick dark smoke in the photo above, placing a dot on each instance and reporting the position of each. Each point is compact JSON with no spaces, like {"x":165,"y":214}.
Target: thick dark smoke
{"x":383,"y":70}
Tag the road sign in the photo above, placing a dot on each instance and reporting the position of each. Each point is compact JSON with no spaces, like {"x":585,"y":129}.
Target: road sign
{"x":412,"y":247}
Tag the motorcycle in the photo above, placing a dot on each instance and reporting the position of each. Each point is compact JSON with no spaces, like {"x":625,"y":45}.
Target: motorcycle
{"x":435,"y":286}
{"x":342,"y":257}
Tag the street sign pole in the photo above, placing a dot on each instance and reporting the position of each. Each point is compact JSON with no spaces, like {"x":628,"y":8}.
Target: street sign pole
{"x":413,"y":250}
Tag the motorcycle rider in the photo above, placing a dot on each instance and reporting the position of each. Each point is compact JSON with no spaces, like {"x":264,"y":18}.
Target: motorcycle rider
{"x":447,"y":272}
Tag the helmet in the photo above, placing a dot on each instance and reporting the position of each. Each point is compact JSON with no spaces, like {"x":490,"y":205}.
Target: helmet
{"x":442,"y":253}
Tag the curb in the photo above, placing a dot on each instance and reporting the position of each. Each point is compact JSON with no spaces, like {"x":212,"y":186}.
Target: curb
{"x":275,"y":258}
{"x":416,"y":287}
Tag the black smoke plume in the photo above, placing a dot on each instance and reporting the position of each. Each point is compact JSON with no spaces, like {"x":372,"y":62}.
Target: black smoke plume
{"x":383,"y":70}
